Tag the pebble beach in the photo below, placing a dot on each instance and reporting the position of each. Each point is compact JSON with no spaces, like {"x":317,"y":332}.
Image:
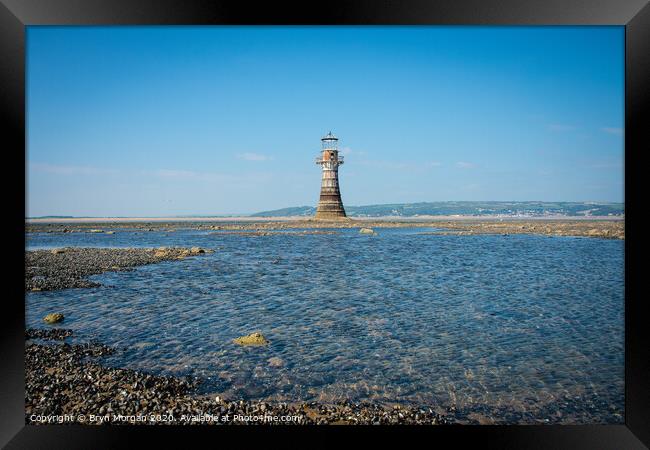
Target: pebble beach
{"x":68,"y":380}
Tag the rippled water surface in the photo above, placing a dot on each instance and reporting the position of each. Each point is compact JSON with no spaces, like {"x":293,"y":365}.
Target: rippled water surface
{"x":523,"y":326}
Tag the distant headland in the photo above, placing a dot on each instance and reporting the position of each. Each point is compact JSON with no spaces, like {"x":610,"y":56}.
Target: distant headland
{"x":466,"y":208}
{"x":530,"y":209}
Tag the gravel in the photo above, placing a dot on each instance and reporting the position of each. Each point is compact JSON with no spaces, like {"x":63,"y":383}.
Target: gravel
{"x":47,"y":270}
{"x":64,"y":379}
{"x":57,"y":334}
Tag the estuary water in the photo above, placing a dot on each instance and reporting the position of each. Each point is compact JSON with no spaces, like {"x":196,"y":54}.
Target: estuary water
{"x":512,"y":329}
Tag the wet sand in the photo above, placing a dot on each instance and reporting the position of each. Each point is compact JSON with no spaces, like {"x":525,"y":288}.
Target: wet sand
{"x":602,"y":227}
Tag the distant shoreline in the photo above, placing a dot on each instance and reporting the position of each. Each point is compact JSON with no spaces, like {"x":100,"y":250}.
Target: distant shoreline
{"x":307,"y":218}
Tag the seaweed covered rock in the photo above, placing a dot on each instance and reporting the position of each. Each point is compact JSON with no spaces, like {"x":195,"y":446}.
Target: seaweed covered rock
{"x":53,"y":318}
{"x":251,"y":339}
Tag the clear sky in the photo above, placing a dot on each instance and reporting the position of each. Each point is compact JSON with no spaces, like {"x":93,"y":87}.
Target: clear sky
{"x":156,"y":121}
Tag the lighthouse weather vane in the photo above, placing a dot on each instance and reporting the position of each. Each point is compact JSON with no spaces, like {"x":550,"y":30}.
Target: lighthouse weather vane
{"x":330,"y":205}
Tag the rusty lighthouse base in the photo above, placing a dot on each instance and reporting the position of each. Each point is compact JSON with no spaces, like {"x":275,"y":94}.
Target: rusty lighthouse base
{"x":330,"y":205}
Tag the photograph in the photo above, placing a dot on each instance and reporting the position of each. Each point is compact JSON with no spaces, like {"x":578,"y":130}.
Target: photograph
{"x":325,"y":225}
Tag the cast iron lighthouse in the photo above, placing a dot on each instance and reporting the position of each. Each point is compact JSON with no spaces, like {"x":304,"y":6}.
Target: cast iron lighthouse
{"x":330,"y":205}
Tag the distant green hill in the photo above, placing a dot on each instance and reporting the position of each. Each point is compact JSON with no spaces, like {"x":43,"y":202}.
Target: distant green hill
{"x":465,"y":209}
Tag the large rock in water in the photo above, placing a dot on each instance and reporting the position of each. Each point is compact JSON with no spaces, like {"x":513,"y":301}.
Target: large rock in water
{"x":251,"y":339}
{"x":53,"y":318}
{"x":367,"y":231}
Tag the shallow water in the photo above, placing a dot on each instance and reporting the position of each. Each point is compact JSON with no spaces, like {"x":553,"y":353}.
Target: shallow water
{"x":515,"y":328}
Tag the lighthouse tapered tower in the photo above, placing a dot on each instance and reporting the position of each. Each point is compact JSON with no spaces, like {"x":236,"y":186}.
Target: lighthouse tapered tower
{"x":330,"y":205}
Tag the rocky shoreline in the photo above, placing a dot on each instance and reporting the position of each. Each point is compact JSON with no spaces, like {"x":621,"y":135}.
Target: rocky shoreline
{"x":54,"y":334}
{"x":67,"y":383}
{"x":584,"y":228}
{"x":63,"y":268}
{"x":600,"y":228}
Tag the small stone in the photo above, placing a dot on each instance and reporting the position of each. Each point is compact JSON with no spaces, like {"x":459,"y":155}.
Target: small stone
{"x":57,"y":251}
{"x":53,"y":318}
{"x":275,"y":362}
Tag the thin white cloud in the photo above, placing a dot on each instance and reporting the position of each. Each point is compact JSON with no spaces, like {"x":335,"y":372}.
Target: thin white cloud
{"x":163,"y":174}
{"x":69,"y":170}
{"x":613,"y":130}
{"x":237,"y":179}
{"x":433,"y":164}
{"x":465,"y":165}
{"x":176,"y":174}
{"x":346,"y":151}
{"x":253,"y":157}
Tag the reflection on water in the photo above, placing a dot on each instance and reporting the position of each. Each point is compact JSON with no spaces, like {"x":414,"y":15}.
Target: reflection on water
{"x":521,"y":326}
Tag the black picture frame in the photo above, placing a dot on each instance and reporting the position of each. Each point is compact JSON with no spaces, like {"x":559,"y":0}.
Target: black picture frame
{"x":15,"y":15}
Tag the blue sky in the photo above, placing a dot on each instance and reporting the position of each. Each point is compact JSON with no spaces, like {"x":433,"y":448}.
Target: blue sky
{"x":155,"y":121}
